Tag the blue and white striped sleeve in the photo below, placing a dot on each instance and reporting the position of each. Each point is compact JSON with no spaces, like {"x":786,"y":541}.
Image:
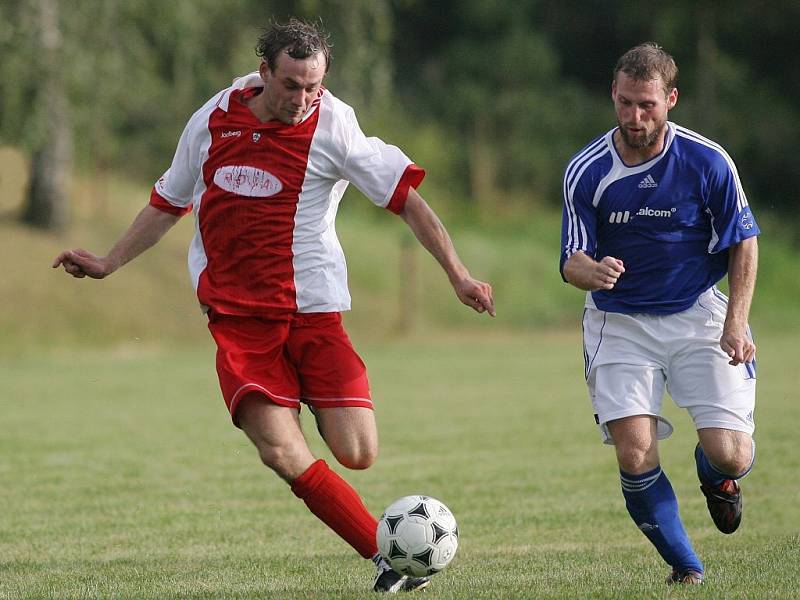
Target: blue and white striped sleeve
{"x":727,"y":205}
{"x":579,"y":219}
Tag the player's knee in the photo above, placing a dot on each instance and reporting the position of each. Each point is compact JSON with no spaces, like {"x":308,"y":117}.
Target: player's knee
{"x":358,"y":457}
{"x":280,"y":459}
{"x":733,"y":458}
{"x":272,"y":456}
{"x":735,"y":463}
{"x":635,"y":459}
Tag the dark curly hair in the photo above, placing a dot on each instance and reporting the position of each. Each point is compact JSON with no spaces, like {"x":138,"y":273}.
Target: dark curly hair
{"x":298,"y":38}
{"x":646,"y":62}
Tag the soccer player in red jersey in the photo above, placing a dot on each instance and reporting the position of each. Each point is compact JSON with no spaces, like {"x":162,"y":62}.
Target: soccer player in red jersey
{"x":263,"y":165}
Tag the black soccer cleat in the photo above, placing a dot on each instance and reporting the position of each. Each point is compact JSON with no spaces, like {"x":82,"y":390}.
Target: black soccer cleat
{"x":687,"y":577}
{"x":389,"y":581}
{"x":725,"y":504}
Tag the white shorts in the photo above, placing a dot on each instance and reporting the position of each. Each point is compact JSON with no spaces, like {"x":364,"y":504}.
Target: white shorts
{"x":632,"y":358}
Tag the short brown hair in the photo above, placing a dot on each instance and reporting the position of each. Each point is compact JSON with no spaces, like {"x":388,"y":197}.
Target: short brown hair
{"x":299,"y":39}
{"x":647,"y":62}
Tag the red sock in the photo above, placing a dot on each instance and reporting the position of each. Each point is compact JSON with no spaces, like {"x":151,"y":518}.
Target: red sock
{"x":337,"y":505}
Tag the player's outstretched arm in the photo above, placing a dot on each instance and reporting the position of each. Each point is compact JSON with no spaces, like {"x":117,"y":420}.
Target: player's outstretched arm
{"x":147,"y":228}
{"x":431,"y":233}
{"x":586,"y":273}
{"x":742,"y":267}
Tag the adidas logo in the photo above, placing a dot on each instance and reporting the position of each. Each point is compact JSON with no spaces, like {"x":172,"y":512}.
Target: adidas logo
{"x":619,"y":216}
{"x":648,"y":182}
{"x":645,"y":527}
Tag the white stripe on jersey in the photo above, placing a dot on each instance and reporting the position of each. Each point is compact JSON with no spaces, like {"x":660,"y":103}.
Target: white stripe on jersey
{"x":714,"y":235}
{"x":576,"y":239}
{"x":197,"y":254}
{"x":741,"y":201}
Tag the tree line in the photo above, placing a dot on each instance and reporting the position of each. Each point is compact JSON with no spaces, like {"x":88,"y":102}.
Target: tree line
{"x":492,"y":97}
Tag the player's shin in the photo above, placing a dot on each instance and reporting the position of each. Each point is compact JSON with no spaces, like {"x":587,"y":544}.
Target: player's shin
{"x":337,"y":505}
{"x":653,"y":506}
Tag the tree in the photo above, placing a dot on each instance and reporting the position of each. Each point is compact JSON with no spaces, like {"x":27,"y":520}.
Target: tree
{"x":46,"y":204}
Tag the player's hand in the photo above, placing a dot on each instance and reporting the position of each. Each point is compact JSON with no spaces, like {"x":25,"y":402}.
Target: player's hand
{"x":605,"y":273}
{"x":80,"y":263}
{"x":737,"y":344}
{"x":475,"y":294}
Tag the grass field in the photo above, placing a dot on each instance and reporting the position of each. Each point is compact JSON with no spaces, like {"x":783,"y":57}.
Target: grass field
{"x":121,"y":477}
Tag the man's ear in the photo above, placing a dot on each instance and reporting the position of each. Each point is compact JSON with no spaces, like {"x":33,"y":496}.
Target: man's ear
{"x":672,"y":99}
{"x":264,"y":70}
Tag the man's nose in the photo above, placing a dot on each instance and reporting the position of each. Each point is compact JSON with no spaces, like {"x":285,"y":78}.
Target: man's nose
{"x":300,"y":98}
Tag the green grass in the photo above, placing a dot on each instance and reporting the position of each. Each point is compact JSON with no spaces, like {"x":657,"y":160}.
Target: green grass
{"x":121,"y":476}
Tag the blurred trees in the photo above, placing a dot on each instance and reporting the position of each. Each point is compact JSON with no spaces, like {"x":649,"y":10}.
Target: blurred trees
{"x":46,"y":109}
{"x":529,"y":82}
{"x":492,"y":97}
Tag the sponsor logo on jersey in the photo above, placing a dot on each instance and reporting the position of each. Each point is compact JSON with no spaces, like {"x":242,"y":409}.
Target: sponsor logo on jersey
{"x":648,"y":182}
{"x":620,"y":216}
{"x":227,"y":134}
{"x":247,"y":181}
{"x":654,"y":212}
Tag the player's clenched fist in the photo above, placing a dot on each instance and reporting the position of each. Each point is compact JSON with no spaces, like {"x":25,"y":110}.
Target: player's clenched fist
{"x":607,"y":272}
{"x":586,"y":273}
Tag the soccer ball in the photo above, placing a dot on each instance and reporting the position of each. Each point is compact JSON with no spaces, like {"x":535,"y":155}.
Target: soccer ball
{"x":417,"y":535}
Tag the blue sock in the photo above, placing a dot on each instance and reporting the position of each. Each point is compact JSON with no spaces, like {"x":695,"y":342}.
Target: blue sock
{"x":708,"y":473}
{"x":653,"y":506}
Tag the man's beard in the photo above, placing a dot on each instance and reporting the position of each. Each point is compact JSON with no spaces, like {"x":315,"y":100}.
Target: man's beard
{"x":641,"y":141}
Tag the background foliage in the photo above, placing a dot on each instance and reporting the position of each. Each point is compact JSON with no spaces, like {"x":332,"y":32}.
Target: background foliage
{"x":492,"y":98}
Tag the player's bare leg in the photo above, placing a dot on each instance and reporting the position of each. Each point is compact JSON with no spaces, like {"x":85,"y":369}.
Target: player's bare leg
{"x":635,"y":442}
{"x":723,"y":456}
{"x":649,"y":497}
{"x":275,"y":431}
{"x":350,"y":433}
{"x":728,"y":450}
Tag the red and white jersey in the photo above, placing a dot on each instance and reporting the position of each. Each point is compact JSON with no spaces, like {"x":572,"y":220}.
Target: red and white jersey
{"x":265,"y":197}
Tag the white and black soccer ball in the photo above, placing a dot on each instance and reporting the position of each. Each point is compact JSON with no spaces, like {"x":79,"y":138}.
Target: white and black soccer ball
{"x":417,"y":535}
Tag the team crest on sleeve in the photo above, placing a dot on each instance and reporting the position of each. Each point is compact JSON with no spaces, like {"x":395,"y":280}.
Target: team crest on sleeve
{"x":746,"y":220}
{"x":247,"y":181}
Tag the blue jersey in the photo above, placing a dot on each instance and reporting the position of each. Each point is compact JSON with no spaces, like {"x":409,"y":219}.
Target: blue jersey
{"x":670,"y":220}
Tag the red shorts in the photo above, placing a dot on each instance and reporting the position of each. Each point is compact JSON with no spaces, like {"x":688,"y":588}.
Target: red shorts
{"x":306,"y":357}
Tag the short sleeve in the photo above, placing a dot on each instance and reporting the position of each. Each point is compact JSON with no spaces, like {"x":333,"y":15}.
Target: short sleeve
{"x":173,"y":191}
{"x":731,"y":218}
{"x":579,"y":219}
{"x":382,"y":172}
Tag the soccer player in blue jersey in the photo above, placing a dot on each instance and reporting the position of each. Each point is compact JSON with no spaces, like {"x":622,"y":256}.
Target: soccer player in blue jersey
{"x":654,"y":216}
